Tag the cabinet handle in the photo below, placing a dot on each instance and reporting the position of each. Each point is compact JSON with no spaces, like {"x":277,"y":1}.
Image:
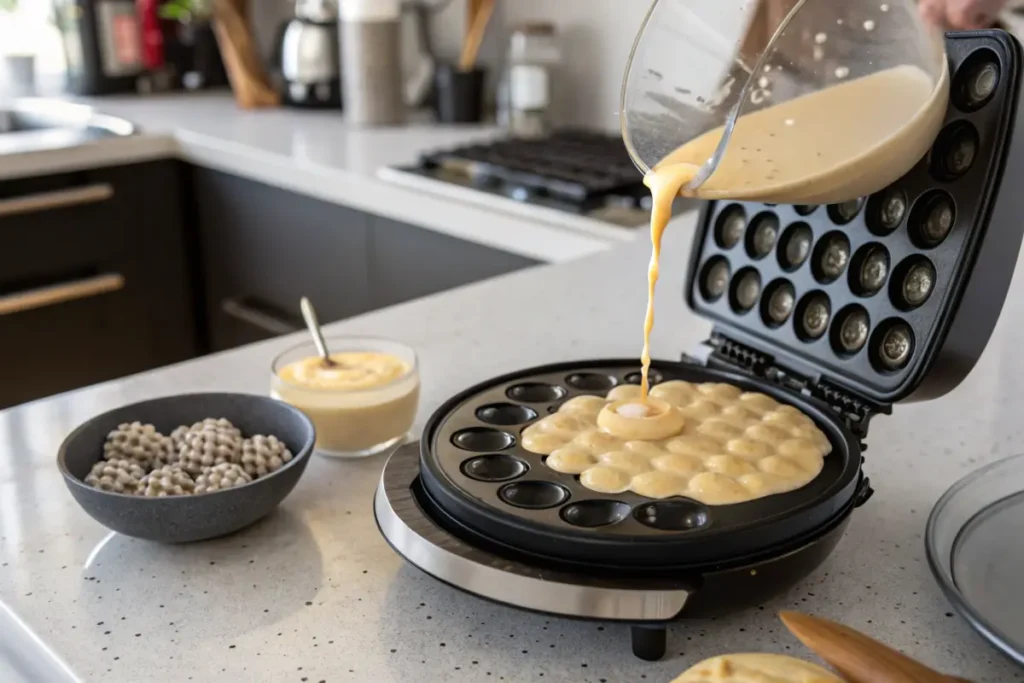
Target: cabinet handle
{"x":38,"y":202}
{"x":258,"y":315}
{"x":60,"y":293}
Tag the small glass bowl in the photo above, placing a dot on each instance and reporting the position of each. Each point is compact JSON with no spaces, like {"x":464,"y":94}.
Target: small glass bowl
{"x":354,"y":423}
{"x":972,"y":541}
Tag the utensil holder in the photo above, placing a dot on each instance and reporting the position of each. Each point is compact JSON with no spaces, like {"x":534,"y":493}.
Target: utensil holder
{"x":459,"y":95}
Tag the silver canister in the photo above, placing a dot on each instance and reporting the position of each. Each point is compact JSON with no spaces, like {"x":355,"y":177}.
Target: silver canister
{"x":371,"y":62}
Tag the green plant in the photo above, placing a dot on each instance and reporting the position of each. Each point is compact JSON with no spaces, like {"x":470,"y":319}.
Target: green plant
{"x":182,"y":11}
{"x":8,"y":6}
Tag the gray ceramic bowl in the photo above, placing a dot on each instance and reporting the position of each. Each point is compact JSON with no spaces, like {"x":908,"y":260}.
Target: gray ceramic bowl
{"x":181,"y":519}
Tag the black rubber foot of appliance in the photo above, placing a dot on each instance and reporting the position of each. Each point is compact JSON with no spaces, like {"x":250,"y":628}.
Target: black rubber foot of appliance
{"x":649,"y":642}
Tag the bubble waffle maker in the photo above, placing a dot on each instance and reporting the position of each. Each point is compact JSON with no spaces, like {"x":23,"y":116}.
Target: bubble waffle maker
{"x":838,"y":310}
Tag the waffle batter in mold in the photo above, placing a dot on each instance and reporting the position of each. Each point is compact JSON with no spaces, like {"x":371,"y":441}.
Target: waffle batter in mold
{"x":711,"y":442}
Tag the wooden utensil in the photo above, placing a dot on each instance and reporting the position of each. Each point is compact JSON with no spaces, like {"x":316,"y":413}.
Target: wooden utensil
{"x":249,"y":81}
{"x":475,"y":35}
{"x":856,"y":657}
{"x":472,"y":7}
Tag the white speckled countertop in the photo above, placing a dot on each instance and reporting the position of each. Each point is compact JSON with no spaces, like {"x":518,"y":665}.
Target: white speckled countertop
{"x":315,"y":153}
{"x":313,"y":593}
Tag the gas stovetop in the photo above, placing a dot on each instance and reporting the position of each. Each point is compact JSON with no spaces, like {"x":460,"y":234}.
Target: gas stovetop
{"x":580,"y":172}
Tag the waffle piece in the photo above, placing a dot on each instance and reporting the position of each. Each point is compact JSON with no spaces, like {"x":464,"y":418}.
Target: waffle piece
{"x":223,"y":476}
{"x":178,"y":437}
{"x":209,"y":443}
{"x":141,"y":443}
{"x":741,"y":668}
{"x":262,"y":455}
{"x":219,"y":424}
{"x":169,"y":480}
{"x":116,"y":476}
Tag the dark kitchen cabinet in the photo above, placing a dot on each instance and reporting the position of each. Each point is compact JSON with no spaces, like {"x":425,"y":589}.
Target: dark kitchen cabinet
{"x":407,"y":262}
{"x":94,"y":282}
{"x":263,"y":248}
{"x":112,"y":271}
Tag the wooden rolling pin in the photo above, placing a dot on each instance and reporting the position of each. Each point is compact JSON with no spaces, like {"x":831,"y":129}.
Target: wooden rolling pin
{"x":856,"y":657}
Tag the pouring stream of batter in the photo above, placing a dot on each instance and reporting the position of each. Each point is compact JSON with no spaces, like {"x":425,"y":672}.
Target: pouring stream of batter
{"x":665,"y":184}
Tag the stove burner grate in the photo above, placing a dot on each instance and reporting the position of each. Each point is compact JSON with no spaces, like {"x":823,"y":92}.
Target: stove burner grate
{"x":577,"y":166}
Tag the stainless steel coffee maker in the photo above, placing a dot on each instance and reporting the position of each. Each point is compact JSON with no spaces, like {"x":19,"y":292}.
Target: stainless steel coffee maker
{"x":308,"y":55}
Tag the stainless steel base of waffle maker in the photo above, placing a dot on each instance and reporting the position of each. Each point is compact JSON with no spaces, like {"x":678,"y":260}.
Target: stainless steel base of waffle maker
{"x":646,"y":603}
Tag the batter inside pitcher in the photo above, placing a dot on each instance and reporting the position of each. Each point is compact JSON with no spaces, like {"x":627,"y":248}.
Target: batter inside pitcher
{"x":802,"y":151}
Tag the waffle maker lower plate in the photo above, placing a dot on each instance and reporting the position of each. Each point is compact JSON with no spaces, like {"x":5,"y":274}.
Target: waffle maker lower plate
{"x":474,"y":509}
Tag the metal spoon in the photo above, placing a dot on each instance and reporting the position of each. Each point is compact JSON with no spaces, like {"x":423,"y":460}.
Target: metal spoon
{"x":313,"y":325}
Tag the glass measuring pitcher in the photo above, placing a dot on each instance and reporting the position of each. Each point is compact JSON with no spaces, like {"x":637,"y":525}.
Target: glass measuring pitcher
{"x":784,"y":101}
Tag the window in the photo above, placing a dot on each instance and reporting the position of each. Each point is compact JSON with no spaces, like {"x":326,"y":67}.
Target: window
{"x":30,"y":29}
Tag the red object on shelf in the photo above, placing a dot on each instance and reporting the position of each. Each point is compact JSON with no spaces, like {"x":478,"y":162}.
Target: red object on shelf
{"x":152,"y":37}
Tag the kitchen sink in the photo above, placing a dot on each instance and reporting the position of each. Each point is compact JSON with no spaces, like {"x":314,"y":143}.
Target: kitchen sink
{"x":32,"y":124}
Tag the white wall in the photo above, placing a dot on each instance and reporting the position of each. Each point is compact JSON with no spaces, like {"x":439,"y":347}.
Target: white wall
{"x":265,"y":17}
{"x":595,"y":36}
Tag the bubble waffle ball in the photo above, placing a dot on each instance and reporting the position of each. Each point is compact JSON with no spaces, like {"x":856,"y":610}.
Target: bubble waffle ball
{"x":138,"y":442}
{"x":116,"y":476}
{"x":264,"y":454}
{"x":585,"y":405}
{"x":624,"y":392}
{"x":223,"y":476}
{"x":169,"y":480}
{"x":207,"y":444}
{"x":711,"y":442}
{"x":762,"y":668}
{"x":570,"y":460}
{"x":605,"y":479}
{"x":219,"y":424}
{"x":178,"y":437}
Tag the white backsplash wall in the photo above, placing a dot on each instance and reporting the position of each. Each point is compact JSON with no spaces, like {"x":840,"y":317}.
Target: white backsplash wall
{"x":595,"y":37}
{"x":447,"y":29}
{"x":266,"y":16}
